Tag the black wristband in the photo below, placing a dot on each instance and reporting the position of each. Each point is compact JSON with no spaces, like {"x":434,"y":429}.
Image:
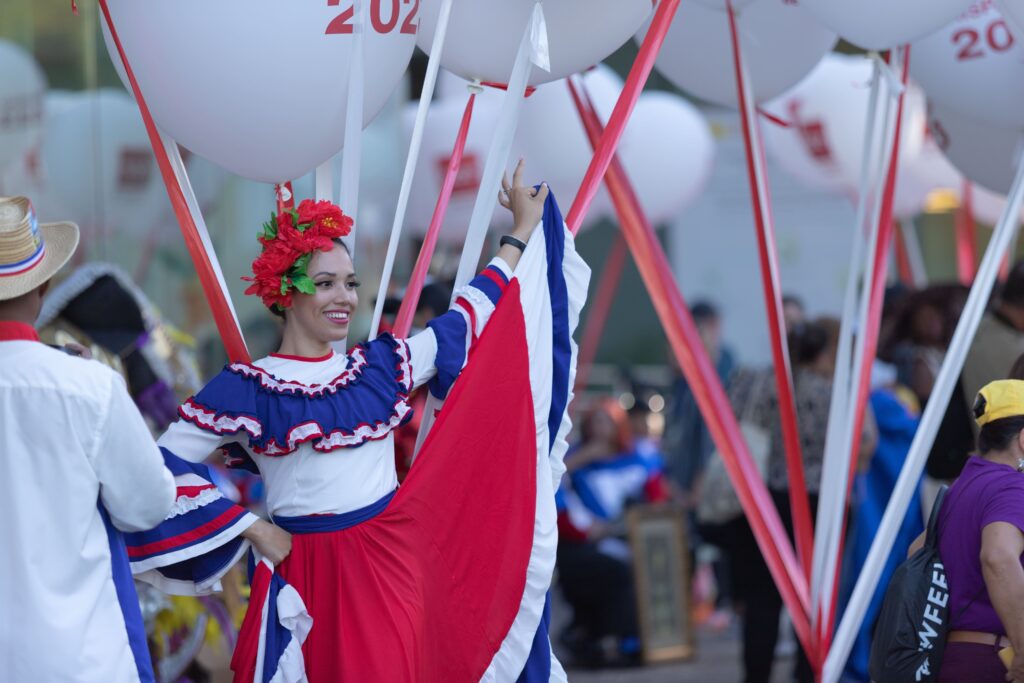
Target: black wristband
{"x":513,"y":241}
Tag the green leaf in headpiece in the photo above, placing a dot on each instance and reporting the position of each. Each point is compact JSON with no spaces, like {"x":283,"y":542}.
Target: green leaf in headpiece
{"x":304,"y":284}
{"x":284,"y":285}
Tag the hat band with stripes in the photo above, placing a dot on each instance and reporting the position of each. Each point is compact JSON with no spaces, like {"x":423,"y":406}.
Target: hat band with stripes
{"x":23,"y":248}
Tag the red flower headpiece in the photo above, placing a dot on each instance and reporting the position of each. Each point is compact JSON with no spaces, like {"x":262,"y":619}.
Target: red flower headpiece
{"x":289,"y":241}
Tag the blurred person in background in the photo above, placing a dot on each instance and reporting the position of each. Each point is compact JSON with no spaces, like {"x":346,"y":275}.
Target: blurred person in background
{"x":606,"y":473}
{"x":793,"y":312}
{"x":812,"y":348}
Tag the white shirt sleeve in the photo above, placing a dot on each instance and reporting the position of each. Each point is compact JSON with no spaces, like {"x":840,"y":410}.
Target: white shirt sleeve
{"x":422,"y":352}
{"x":189,"y":442}
{"x":135,"y":487}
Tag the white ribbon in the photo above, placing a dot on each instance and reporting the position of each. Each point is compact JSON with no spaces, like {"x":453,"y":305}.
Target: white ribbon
{"x":910,"y":474}
{"x":847,"y":381}
{"x":352,"y":155}
{"x":178,"y":166}
{"x":426,"y":96}
{"x":501,"y":145}
{"x":324,"y":179}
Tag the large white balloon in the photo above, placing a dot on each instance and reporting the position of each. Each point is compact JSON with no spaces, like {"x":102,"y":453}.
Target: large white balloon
{"x":882,"y":24}
{"x":988,"y":206}
{"x":918,"y":177}
{"x":987,"y":154}
{"x":260,"y":88}
{"x":438,"y":139}
{"x":22,"y":86}
{"x":484,"y":35}
{"x":974,"y":66}
{"x":668,"y":152}
{"x":1013,"y":10}
{"x":97,"y":159}
{"x":828,"y":110}
{"x":781,"y":43}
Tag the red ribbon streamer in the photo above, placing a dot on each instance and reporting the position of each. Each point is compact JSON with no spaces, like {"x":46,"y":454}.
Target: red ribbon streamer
{"x":703,"y":378}
{"x":903,"y":267}
{"x":605,"y":149}
{"x":886,"y":229}
{"x":966,"y":233}
{"x":403,"y":323}
{"x":611,"y":275}
{"x":230,"y":333}
{"x":285,"y":197}
{"x":764,"y":221}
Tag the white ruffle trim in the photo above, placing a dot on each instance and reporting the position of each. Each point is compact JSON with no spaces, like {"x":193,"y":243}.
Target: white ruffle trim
{"x":183,"y":504}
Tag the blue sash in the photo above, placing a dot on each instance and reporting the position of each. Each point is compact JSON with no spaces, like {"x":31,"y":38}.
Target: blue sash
{"x":316,"y":524}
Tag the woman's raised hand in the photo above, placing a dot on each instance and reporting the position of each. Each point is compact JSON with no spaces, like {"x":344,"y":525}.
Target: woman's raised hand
{"x":525,"y":203}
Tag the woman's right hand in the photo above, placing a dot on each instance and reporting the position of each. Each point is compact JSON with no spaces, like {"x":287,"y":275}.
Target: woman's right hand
{"x":1016,"y":672}
{"x":273,"y":542}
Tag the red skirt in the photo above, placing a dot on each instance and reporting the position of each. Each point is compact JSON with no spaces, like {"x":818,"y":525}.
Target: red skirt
{"x":428,"y":589}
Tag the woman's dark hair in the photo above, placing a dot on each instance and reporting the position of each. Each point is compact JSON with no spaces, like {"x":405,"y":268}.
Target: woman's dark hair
{"x":998,"y":434}
{"x":337,"y":240}
{"x":807,"y":341}
{"x":1017,"y":371}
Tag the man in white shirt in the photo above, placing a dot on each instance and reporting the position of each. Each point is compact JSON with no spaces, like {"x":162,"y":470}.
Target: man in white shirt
{"x":77,"y":467}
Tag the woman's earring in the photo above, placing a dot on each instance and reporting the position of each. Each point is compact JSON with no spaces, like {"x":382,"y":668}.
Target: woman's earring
{"x":1020,"y":464}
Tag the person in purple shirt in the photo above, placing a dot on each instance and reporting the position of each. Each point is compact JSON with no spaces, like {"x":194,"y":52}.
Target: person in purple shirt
{"x":981,"y":541}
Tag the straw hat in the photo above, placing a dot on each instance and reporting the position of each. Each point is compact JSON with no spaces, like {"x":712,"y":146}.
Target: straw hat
{"x":30,"y":253}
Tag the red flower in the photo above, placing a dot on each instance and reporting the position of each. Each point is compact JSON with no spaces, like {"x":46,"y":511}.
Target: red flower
{"x":316,"y":226}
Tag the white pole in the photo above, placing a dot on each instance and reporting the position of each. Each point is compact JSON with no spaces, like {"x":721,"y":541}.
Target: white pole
{"x":907,"y":483}
{"x":352,"y":154}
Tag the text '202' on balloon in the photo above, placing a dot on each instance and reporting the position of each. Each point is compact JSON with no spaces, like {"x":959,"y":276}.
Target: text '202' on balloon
{"x":261,"y":88}
{"x":22,"y":86}
{"x":975,"y":66}
{"x":884,"y":24}
{"x":484,"y":35}
{"x":781,"y":44}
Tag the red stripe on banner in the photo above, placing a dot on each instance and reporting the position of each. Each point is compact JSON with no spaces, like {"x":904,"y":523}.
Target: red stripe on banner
{"x":222,"y":520}
{"x":711,"y":398}
{"x":604,"y":150}
{"x":758,"y":179}
{"x":230,"y":333}
{"x":886,"y":230}
{"x":285,"y":196}
{"x":600,"y":308}
{"x":403,"y":322}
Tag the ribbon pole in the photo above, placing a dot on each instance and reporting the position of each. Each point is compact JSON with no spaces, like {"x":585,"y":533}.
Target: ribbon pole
{"x":426,"y":96}
{"x":867,"y":345}
{"x":910,"y":473}
{"x":597,"y":319}
{"x":530,"y":52}
{"x":403,"y":323}
{"x":798,"y":498}
{"x":685,"y":342}
{"x":352,"y":153}
{"x":966,"y":235}
{"x":183,"y":201}
{"x":605,"y":149}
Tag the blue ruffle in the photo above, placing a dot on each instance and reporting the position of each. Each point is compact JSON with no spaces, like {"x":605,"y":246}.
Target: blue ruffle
{"x":366,"y":402}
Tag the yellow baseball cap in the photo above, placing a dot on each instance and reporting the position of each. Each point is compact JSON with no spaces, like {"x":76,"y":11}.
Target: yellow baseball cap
{"x":998,"y":400}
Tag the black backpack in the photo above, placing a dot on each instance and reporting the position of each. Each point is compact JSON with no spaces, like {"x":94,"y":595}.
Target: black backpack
{"x":910,"y":635}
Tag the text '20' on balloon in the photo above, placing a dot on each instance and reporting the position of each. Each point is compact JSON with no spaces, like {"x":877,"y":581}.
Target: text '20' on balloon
{"x":973,"y":45}
{"x":344,"y":23}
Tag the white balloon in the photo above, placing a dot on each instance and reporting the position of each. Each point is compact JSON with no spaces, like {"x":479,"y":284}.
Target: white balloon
{"x":438,"y":139}
{"x":828,"y":111}
{"x":988,"y":206}
{"x":781,"y":43}
{"x":723,"y":5}
{"x":1013,"y":10}
{"x":97,"y":159}
{"x":883,"y":24}
{"x":260,"y":88}
{"x":986,"y":154}
{"x":22,"y":85}
{"x":552,"y":140}
{"x":974,"y":66}
{"x":668,"y":152}
{"x":484,"y":35}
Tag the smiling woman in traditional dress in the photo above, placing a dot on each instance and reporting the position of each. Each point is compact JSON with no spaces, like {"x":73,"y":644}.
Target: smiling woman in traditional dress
{"x":442,"y":580}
